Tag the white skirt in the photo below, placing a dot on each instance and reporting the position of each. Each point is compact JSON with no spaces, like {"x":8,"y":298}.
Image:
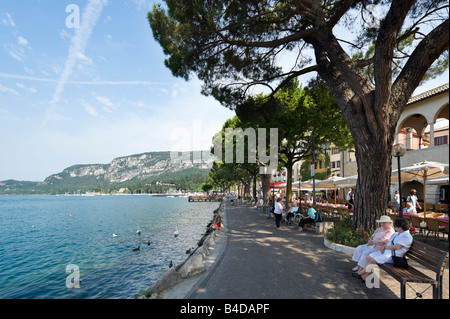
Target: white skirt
{"x":382,"y":258}
{"x":361,"y":253}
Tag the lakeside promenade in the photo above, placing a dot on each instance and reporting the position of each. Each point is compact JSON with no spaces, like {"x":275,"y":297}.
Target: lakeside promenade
{"x":259,"y":261}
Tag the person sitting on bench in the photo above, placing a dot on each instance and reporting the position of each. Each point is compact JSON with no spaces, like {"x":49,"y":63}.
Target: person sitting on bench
{"x":400,"y":242}
{"x":309,"y":219}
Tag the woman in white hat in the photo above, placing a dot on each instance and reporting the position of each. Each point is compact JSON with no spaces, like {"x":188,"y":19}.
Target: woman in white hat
{"x":377,"y":241}
{"x":400,"y":242}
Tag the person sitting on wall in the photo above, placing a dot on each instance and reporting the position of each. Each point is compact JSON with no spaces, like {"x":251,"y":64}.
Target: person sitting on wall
{"x":217,"y":221}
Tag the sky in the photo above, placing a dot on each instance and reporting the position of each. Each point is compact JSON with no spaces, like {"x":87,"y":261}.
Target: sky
{"x":90,"y":94}
{"x":88,"y":90}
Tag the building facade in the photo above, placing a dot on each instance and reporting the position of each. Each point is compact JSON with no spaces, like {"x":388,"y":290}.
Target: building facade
{"x":424,"y":130}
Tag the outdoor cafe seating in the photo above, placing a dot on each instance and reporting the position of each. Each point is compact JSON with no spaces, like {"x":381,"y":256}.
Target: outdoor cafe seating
{"x":427,"y":223}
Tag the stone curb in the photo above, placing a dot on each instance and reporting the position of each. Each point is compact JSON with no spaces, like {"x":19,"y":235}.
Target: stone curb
{"x":338,"y":247}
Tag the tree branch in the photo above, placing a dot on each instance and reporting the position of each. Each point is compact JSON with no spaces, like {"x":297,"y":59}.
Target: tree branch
{"x":424,"y":55}
{"x":384,"y":51}
{"x":269,"y":44}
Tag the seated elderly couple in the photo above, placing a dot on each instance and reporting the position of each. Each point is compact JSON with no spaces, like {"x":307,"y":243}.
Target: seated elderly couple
{"x":385,"y":241}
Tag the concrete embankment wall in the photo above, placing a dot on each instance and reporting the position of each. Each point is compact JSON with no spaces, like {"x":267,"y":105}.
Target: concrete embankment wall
{"x":193,"y":266}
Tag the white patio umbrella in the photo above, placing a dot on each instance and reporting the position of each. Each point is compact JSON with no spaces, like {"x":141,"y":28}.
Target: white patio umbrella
{"x":331,"y":182}
{"x":438,"y":181}
{"x":306,"y":184}
{"x":422,"y":172}
{"x":347,"y":182}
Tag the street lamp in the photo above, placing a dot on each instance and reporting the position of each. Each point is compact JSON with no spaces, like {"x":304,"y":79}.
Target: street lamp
{"x":315,"y":152}
{"x":398,"y":150}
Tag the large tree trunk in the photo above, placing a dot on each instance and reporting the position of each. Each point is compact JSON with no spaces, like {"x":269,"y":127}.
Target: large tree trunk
{"x":255,"y":179}
{"x":289,"y":184}
{"x":266,"y":179}
{"x":374,"y":170}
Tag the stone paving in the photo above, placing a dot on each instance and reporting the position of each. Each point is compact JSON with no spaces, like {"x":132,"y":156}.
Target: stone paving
{"x":259,"y":261}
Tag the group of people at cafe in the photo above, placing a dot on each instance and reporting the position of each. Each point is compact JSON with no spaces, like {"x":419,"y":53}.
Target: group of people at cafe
{"x":412,"y":202}
{"x":280,"y":212}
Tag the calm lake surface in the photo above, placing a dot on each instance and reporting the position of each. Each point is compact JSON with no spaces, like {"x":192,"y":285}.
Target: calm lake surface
{"x":42,"y":235}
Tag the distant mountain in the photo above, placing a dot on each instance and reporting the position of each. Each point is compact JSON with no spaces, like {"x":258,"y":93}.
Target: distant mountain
{"x":124,"y":171}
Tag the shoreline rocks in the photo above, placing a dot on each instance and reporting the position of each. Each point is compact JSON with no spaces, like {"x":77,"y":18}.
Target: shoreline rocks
{"x":193,"y":266}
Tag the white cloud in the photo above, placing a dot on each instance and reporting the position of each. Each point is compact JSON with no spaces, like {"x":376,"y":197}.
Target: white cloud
{"x":16,"y":52}
{"x":28,"y":70}
{"x":8,"y":90}
{"x":89,"y":108}
{"x":142,"y":4}
{"x":29,"y":89}
{"x":8,"y":21}
{"x":108,"y":106}
{"x":100,"y":82}
{"x":22,"y":41}
{"x":64,"y":34}
{"x":84,"y":58}
{"x":78,"y":45}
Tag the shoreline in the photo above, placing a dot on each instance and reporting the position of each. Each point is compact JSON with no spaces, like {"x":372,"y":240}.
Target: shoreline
{"x":180,"y":281}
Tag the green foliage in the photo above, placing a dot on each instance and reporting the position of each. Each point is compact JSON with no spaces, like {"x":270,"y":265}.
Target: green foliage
{"x":207,"y":187}
{"x":344,"y":234}
{"x":234,"y":45}
{"x":190,"y":179}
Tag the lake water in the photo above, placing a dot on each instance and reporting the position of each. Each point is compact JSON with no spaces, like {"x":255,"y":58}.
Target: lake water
{"x":40,"y":236}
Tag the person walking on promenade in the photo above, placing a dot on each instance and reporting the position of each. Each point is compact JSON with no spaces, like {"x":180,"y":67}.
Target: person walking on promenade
{"x":278,"y":212}
{"x":350,"y":198}
{"x":412,"y":198}
{"x":397,"y":202}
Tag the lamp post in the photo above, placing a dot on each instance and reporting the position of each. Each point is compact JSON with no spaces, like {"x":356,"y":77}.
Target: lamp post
{"x":315,"y":153}
{"x":324,"y":147}
{"x":398,"y":150}
{"x":313,"y":168}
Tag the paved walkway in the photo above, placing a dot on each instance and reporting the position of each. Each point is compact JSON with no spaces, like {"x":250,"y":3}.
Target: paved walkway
{"x":260,"y":261}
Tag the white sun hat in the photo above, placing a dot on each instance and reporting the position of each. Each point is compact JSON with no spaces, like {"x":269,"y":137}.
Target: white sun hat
{"x":384,"y":219}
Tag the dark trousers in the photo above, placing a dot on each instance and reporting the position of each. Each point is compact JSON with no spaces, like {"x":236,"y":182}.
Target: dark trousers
{"x":277,"y":220}
{"x":304,"y":221}
{"x":289,"y":217}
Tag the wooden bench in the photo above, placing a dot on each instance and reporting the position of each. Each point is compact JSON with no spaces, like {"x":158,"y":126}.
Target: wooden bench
{"x":429,"y":257}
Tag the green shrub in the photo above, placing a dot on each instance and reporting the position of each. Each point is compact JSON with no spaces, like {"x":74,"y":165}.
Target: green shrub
{"x":344,"y":234}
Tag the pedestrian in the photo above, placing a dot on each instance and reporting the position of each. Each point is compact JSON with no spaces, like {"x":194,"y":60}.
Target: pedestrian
{"x":396,"y":202}
{"x":412,"y":198}
{"x":278,"y":212}
{"x":350,"y":198}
